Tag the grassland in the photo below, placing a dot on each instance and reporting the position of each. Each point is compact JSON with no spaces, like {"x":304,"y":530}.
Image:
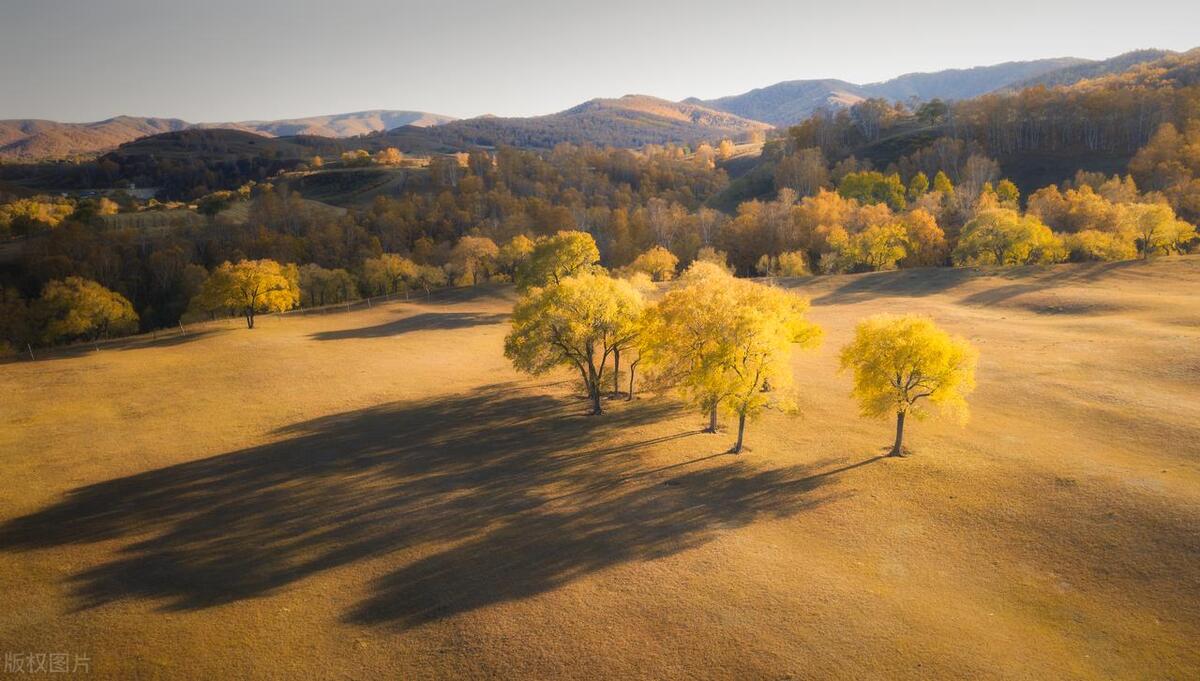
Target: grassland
{"x":377,"y":494}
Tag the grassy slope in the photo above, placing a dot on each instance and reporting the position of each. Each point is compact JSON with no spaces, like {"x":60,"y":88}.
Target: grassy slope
{"x":377,"y":493}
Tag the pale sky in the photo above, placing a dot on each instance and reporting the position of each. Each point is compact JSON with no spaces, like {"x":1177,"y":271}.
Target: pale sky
{"x":225,"y":60}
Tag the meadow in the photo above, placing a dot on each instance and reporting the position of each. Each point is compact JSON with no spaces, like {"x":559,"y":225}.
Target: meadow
{"x":377,"y":493}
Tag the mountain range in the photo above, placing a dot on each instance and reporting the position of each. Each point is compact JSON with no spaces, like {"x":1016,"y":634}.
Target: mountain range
{"x":35,"y":138}
{"x":629,"y":121}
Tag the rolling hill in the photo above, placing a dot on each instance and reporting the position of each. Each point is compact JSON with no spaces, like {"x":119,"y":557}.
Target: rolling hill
{"x":629,"y":121}
{"x":790,"y":102}
{"x":33,"y":138}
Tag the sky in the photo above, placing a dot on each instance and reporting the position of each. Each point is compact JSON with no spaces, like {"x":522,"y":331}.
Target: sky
{"x":223,"y":60}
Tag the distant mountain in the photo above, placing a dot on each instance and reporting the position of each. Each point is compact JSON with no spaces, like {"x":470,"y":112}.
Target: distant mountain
{"x":787,"y":102}
{"x":31,"y":138}
{"x":337,"y":125}
{"x":1093,"y":69}
{"x":629,"y":121}
{"x":790,"y":102}
{"x":967,"y":83}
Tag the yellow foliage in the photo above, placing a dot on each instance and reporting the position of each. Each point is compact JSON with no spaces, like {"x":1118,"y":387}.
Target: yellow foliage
{"x":578,"y":322}
{"x":657,"y":262}
{"x":80,"y":308}
{"x":725,"y":343}
{"x":898,"y":361}
{"x":250,"y":287}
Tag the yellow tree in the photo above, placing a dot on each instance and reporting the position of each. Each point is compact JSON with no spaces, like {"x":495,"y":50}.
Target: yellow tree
{"x":578,"y":322}
{"x":1158,"y":229}
{"x":898,"y":361}
{"x":250,"y":287}
{"x":473,"y":257}
{"x":1002,"y":236}
{"x":657,"y":262}
{"x":512,"y":254}
{"x":80,"y":308}
{"x":388,"y":272}
{"x":556,"y":257}
{"x":726,"y":343}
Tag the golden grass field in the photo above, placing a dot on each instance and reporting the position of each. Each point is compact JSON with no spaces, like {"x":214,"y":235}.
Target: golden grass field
{"x":377,"y":494}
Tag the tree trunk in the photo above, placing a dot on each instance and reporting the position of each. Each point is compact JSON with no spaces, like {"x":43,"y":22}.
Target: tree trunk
{"x":632,"y":367}
{"x":597,"y":409}
{"x":712,"y":420}
{"x":737,"y":447}
{"x":250,"y":318}
{"x":896,"y":448}
{"x":616,"y":372}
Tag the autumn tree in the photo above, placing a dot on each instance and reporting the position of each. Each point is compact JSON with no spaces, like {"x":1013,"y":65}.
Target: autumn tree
{"x":578,"y":321}
{"x":428,"y":277}
{"x":513,"y":253}
{"x":473,"y":257}
{"x":1005,"y":237}
{"x":388,"y":273}
{"x":557,"y":257}
{"x":77,"y":308}
{"x":658,"y":263}
{"x":1158,"y":229}
{"x":725,"y":343}
{"x":250,"y":287}
{"x":898,"y":361}
{"x":390,"y":156}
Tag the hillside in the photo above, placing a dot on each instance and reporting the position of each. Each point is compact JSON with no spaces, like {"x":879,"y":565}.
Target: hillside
{"x":790,"y":102}
{"x":629,"y":121}
{"x":337,"y":125}
{"x":26,"y":139}
{"x":32,"y":139}
{"x":399,"y":502}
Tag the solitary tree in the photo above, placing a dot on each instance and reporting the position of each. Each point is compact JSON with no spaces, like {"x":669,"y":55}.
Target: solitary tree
{"x":80,"y":308}
{"x":578,"y":322}
{"x":250,"y":287}
{"x":900,"y":361}
{"x":556,"y":257}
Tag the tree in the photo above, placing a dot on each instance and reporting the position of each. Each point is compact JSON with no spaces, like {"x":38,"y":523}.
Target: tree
{"x":578,"y":321}
{"x":870,"y":187}
{"x":1158,"y":229}
{"x":514,"y":253}
{"x":786,"y":264}
{"x":917,"y":186}
{"x":1003,"y":236}
{"x":250,"y":287}
{"x":806,"y":172}
{"x":557,"y":257}
{"x":428,"y":277}
{"x":942,"y":184}
{"x":473,"y":257}
{"x":389,"y":157}
{"x":658,"y":263}
{"x":388,"y":273}
{"x":74,"y":308}
{"x":900,"y":361}
{"x":726,"y":343}
{"x":878,"y":247}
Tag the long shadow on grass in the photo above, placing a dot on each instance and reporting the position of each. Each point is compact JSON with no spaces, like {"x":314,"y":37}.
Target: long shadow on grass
{"x":419,"y":322}
{"x":510,"y":480}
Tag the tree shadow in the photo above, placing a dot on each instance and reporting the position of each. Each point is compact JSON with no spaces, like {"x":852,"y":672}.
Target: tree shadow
{"x":1034,"y":279}
{"x":163,"y":339}
{"x":906,"y":283}
{"x":505,"y":476}
{"x":424,"y":321}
